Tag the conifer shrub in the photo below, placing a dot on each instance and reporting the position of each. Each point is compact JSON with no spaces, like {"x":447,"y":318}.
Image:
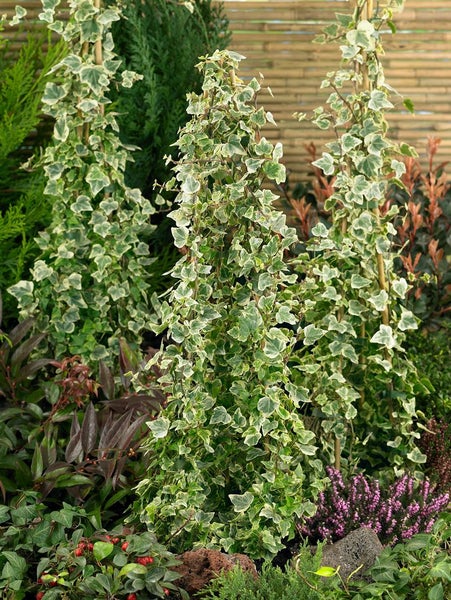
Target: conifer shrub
{"x":162,"y":41}
{"x":24,"y":209}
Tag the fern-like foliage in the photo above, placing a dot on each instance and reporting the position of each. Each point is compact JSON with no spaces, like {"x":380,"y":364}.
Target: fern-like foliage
{"x":162,"y":41}
{"x":24,"y":210}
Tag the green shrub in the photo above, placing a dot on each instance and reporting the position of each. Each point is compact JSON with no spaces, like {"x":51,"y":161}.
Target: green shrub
{"x":24,"y":210}
{"x":430,"y":351}
{"x":420,"y":569}
{"x":62,"y":554}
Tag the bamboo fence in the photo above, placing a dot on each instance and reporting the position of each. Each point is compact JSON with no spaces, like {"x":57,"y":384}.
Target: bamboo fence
{"x":277,"y":37}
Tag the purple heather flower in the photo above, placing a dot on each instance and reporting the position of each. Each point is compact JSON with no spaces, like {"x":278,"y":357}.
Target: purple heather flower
{"x":401,"y":511}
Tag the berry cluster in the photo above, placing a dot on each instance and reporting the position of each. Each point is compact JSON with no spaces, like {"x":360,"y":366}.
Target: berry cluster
{"x":86,"y":547}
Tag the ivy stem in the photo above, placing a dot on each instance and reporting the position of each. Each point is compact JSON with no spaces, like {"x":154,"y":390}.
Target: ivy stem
{"x":385,"y":316}
{"x":98,"y":52}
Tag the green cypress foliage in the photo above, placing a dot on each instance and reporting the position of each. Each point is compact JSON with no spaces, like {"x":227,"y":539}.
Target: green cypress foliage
{"x":162,"y":41}
{"x":24,"y":210}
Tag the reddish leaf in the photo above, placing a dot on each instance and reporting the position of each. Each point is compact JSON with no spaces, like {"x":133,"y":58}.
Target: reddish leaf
{"x":20,"y":331}
{"x":25,"y":349}
{"x":106,"y":380}
{"x":74,"y":449}
{"x":89,"y":429}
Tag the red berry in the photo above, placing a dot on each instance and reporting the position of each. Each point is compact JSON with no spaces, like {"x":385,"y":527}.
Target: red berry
{"x":131,"y":597}
{"x":39,"y":595}
{"x":90,"y":546}
{"x":81,"y":545}
{"x":78,"y":551}
{"x":125,"y":546}
{"x":115,"y":540}
{"x":166,"y":591}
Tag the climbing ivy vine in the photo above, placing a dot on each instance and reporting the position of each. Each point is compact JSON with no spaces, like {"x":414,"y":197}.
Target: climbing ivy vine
{"x":361,"y":384}
{"x":89,"y":285}
{"x":230,"y":457}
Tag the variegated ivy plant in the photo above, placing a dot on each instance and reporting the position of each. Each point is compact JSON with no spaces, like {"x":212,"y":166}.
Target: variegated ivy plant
{"x":230,"y":457}
{"x":353,"y":363}
{"x":90,"y":283}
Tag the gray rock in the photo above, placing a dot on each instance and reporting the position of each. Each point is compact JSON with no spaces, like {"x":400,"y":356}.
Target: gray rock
{"x":360,"y":548}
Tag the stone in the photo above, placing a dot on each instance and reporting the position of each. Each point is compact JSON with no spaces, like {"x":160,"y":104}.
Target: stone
{"x":360,"y":548}
{"x":200,"y":566}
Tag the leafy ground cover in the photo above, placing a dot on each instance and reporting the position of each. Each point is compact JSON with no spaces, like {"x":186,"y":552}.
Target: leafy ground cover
{"x":295,"y":393}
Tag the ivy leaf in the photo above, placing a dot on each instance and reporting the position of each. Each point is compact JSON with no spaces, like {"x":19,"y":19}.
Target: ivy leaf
{"x":275,"y":343}
{"x":349,"y":142}
{"x":97,"y":179}
{"x":220,"y":416}
{"x":95,"y":77}
{"x":241,"y":502}
{"x":159,"y":427}
{"x":267,"y":406}
{"x":61,"y":129}
{"x":53,"y":93}
{"x":82,"y":203}
{"x":378,"y":101}
{"x":312,"y":334}
{"x":398,"y":167}
{"x":384,"y":337}
{"x":358,"y":282}
{"x":275,"y":171}
{"x":180,"y":236}
{"x":249,"y":321}
{"x":325,"y":163}
{"x":407,"y":320}
{"x":108,"y":16}
{"x":190,"y":185}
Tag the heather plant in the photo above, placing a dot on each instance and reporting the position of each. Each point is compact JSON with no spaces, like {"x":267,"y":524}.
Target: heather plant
{"x":230,"y":457}
{"x":395,"y":512}
{"x":354,"y":322}
{"x":90,"y":283}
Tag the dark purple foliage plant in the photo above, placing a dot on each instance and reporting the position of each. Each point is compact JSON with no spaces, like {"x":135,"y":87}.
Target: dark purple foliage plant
{"x":395,"y":512}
